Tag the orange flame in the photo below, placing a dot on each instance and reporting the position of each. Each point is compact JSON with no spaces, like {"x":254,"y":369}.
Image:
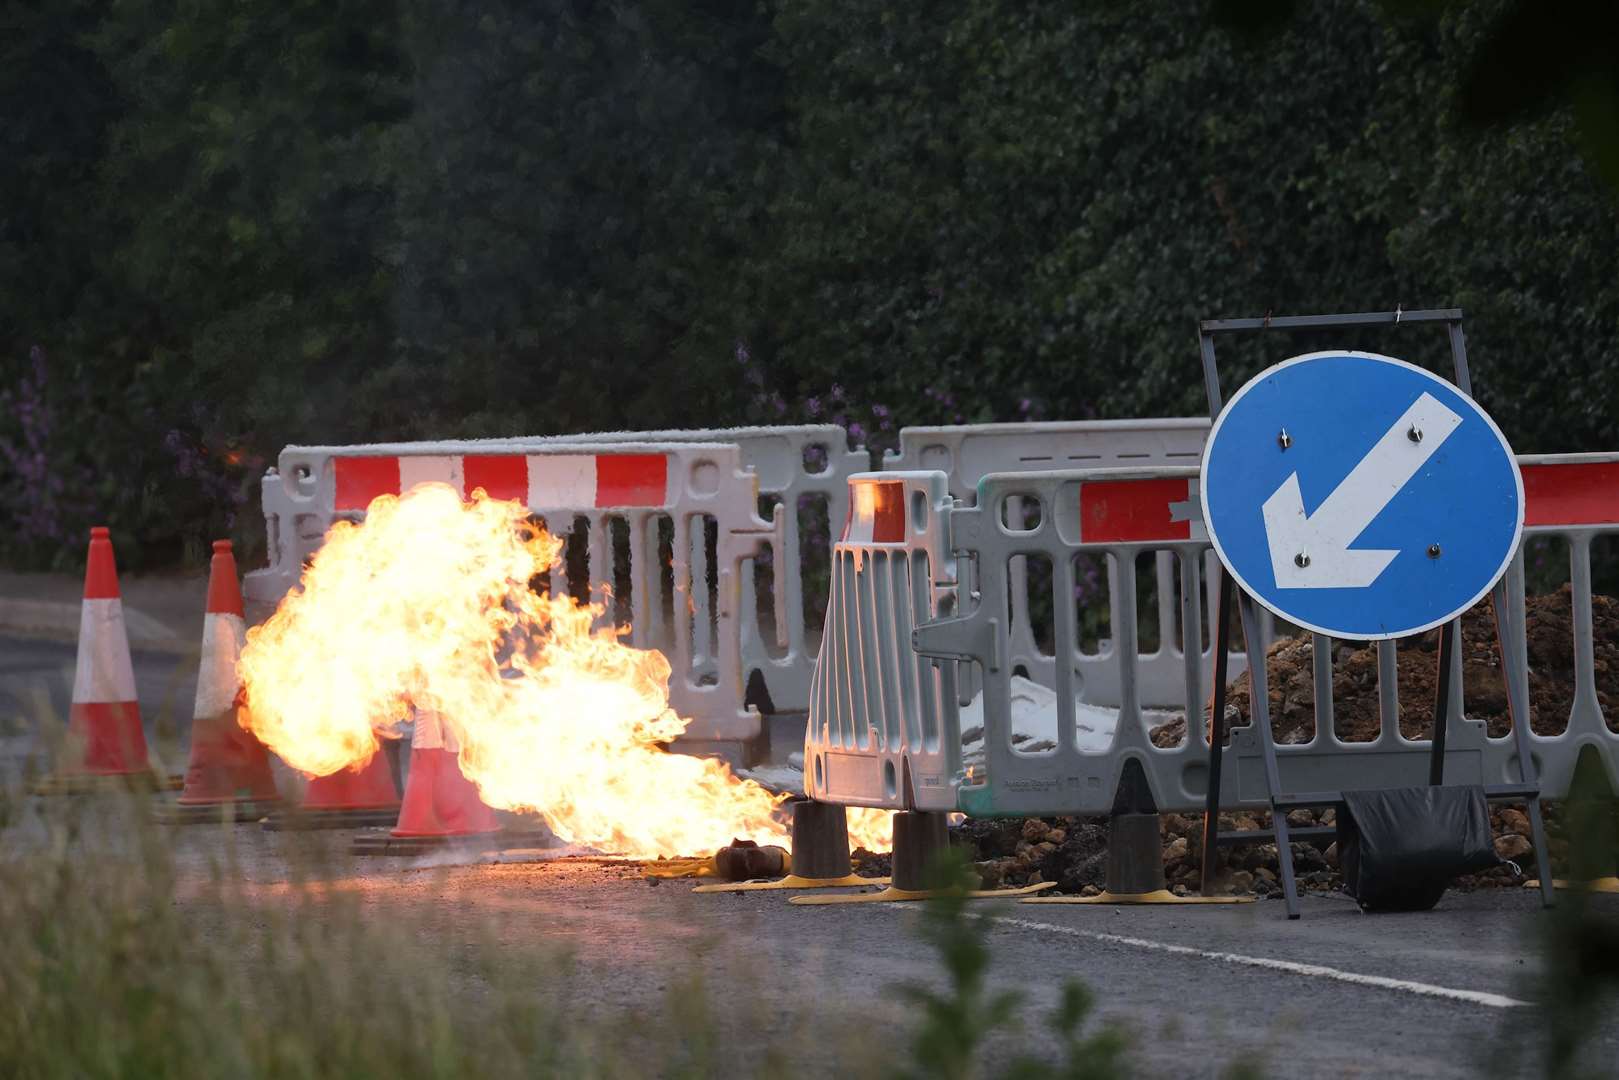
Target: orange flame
{"x":427,"y":605}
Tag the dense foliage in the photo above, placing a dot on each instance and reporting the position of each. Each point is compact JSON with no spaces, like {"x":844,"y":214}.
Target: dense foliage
{"x":387,"y":218}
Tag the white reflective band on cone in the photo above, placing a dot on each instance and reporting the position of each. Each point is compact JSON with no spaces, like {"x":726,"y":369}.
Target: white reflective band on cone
{"x":217,"y":680}
{"x":104,"y":673}
{"x":429,"y":733}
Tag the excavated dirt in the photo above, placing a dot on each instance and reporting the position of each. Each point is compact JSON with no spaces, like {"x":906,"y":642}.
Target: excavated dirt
{"x":1549,"y":619}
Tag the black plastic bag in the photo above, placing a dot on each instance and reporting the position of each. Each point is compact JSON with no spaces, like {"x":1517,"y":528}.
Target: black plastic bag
{"x":1400,"y":847}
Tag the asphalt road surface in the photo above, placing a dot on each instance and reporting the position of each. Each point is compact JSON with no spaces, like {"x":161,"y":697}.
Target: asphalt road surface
{"x":1444,"y":993}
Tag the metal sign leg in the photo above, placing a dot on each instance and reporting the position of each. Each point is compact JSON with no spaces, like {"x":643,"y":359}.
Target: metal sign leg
{"x":1259,"y":714}
{"x":1441,"y":705}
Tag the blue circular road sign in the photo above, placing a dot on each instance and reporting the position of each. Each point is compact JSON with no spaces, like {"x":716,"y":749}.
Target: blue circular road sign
{"x":1360,"y":496}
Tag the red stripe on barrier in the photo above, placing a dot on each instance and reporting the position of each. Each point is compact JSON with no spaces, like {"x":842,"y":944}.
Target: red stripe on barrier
{"x":361,"y":479}
{"x":888,"y":512}
{"x":1127,"y":511}
{"x":631,"y":480}
{"x":502,"y":476}
{"x":1571,"y":493}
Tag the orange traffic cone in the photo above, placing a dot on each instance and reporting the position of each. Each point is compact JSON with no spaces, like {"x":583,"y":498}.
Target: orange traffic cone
{"x":439,"y":799}
{"x":348,"y":798}
{"x":107,"y":743}
{"x":229,"y":772}
{"x":441,"y":804}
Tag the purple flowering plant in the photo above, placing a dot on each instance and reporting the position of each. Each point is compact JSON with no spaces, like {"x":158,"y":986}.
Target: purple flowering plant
{"x":151,"y":472}
{"x":45,"y":498}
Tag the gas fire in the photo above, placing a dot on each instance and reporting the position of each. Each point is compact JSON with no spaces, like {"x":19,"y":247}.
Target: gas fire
{"x":426,"y":605}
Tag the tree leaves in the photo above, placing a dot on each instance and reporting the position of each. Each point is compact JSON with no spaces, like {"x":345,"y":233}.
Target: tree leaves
{"x":325,"y":222}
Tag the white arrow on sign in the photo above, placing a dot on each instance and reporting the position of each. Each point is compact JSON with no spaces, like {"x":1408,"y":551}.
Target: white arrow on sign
{"x":1312,"y":551}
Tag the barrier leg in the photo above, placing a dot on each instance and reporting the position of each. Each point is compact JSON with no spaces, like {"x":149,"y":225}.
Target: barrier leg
{"x":919,"y":835}
{"x":1591,"y":810}
{"x":1543,"y":862}
{"x":820,"y":854}
{"x":1511,"y":639}
{"x":1135,"y":864}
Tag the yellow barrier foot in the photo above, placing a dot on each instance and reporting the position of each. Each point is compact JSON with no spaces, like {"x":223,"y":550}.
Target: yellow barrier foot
{"x":683,"y":868}
{"x":1157,"y":896}
{"x":793,"y":881}
{"x":892,"y":895}
{"x":1598,"y":885}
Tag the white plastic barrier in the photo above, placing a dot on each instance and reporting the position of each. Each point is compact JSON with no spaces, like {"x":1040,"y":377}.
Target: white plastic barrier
{"x":641,"y":484}
{"x":1574,"y":497}
{"x":796,"y":465}
{"x":1120,"y":514}
{"x":1114,"y":514}
{"x":881,"y":717}
{"x":967,"y":453}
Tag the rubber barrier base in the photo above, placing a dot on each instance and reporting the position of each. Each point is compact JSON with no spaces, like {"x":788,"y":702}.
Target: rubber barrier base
{"x":1157,"y":896}
{"x":92,"y":783}
{"x":212,"y":813}
{"x":892,"y":895}
{"x":793,"y":881}
{"x":299,"y":820}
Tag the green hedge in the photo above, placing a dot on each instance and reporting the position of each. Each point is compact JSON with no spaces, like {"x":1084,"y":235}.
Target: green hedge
{"x":387,"y":218}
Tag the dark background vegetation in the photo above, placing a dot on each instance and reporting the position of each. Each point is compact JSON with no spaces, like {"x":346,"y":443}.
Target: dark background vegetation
{"x":226,"y":229}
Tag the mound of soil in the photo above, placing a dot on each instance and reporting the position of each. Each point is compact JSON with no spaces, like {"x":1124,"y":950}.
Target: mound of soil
{"x":1549,"y":619}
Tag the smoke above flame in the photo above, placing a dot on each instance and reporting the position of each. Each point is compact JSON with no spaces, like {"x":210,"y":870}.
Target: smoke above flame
{"x":426,"y":605}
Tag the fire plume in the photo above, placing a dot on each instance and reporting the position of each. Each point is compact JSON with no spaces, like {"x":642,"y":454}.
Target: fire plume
{"x":427,"y":605}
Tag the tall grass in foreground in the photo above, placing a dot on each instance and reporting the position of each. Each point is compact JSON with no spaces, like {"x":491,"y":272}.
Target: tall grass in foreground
{"x":121,"y":958}
{"x":132,"y":951}
{"x":114,"y":964}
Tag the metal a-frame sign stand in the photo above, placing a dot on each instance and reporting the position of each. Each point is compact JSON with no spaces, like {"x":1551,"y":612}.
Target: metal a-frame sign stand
{"x":1526,"y":790}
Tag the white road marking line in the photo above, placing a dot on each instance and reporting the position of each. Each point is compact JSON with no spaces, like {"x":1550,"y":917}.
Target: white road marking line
{"x":1320,"y":971}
